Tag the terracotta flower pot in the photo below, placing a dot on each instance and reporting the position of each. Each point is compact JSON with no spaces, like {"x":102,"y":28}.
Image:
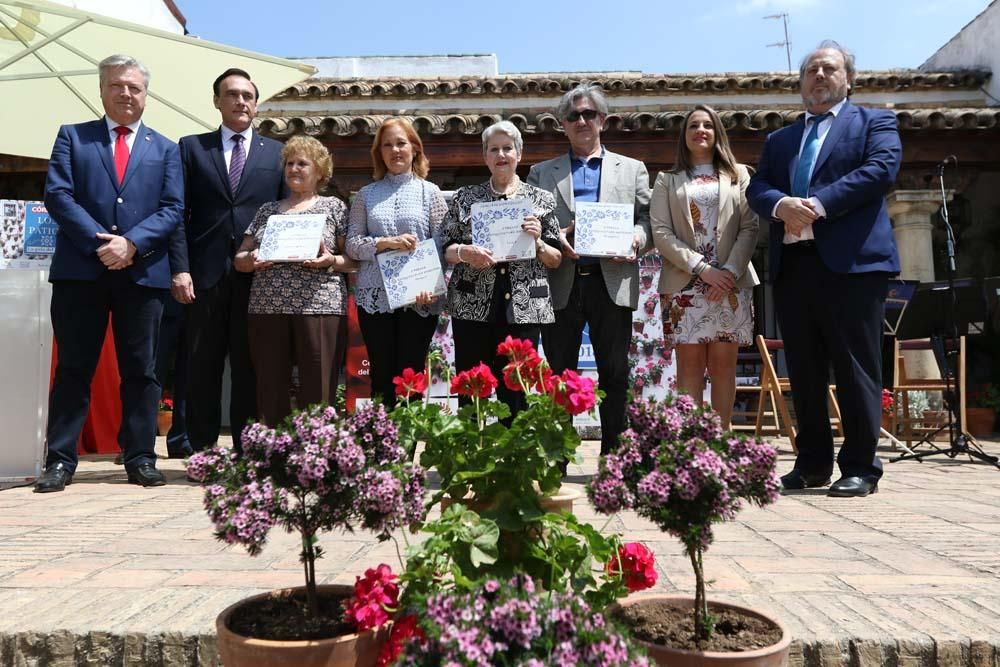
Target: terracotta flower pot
{"x":775,"y":655}
{"x":980,"y":421}
{"x":557,"y":502}
{"x":354,"y":650}
{"x":164,"y":420}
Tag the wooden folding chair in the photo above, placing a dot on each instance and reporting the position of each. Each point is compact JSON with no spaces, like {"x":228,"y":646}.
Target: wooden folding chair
{"x":916,"y":427}
{"x":772,"y":391}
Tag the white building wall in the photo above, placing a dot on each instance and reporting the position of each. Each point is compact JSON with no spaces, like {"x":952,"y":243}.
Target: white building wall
{"x":975,"y":46}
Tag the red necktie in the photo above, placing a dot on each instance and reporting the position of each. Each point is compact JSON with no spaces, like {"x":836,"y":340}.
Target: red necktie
{"x":121,"y":152}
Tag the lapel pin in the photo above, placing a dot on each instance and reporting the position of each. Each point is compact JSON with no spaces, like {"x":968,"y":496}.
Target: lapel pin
{"x":147,"y":138}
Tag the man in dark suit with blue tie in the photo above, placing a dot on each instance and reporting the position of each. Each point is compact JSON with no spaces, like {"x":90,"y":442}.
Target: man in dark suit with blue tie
{"x":228,"y":174}
{"x":115,"y":189}
{"x":822,"y":183}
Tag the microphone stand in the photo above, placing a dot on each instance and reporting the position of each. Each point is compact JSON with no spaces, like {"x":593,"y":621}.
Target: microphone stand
{"x":944,"y":346}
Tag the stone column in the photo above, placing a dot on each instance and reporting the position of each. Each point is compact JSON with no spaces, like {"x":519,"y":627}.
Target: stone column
{"x":911,"y":212}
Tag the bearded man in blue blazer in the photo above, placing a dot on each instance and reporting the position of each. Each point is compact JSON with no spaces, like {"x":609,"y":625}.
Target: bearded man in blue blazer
{"x":115,"y":189}
{"x":822,"y":183}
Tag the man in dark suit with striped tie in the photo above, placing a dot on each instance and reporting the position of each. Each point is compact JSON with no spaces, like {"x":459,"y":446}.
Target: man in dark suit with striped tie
{"x":822,"y":183}
{"x":228,"y":174}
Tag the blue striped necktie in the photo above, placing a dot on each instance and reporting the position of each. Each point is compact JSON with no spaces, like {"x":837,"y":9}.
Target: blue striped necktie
{"x":236,"y":162}
{"x":807,"y":159}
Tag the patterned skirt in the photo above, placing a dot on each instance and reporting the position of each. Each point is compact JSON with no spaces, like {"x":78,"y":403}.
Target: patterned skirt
{"x":690,"y":318}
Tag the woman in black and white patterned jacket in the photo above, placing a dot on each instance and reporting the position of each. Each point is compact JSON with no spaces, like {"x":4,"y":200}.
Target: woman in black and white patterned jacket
{"x":489,"y":298}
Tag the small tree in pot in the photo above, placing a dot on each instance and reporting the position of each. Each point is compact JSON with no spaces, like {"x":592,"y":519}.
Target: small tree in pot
{"x":676,"y":467}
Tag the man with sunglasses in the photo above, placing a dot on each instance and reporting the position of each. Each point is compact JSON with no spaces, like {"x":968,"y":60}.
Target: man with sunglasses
{"x":600,"y":293}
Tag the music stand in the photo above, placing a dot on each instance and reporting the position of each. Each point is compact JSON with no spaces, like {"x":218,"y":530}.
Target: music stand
{"x":939,"y":311}
{"x":898,"y":297}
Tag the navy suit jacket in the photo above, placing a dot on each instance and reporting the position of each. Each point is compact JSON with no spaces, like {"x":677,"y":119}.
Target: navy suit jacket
{"x":854,"y":170}
{"x":83,"y":197}
{"x":215,"y":218}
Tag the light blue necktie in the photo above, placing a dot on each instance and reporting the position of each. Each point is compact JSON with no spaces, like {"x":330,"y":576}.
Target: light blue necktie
{"x":810,"y":150}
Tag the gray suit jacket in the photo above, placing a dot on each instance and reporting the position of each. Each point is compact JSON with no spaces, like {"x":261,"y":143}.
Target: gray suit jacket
{"x":623,"y":181}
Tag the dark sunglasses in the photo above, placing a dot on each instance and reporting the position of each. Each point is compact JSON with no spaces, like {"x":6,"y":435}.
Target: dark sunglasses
{"x":587,"y":114}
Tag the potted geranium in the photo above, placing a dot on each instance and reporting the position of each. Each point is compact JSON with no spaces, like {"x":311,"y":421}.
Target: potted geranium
{"x":165,"y":415}
{"x":505,"y":511}
{"x":318,"y":471}
{"x":510,"y":622}
{"x":981,"y":411}
{"x":677,"y":467}
{"x":888,"y":407}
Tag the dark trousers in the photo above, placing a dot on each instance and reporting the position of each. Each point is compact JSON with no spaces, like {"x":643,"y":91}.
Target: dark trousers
{"x":610,"y":334}
{"x":395,"y":341}
{"x":171,"y":355}
{"x":314,"y":343}
{"x":477,"y":342}
{"x":80,"y":311}
{"x":216,"y":328}
{"x":826,"y":319}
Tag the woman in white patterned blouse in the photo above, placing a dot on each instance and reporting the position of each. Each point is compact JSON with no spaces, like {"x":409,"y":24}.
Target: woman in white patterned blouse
{"x":396,"y":212}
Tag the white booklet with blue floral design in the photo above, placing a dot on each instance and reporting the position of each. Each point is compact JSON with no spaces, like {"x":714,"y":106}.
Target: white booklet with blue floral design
{"x":407,"y":273}
{"x":292,"y":238}
{"x":604,"y":230}
{"x":497,"y":225}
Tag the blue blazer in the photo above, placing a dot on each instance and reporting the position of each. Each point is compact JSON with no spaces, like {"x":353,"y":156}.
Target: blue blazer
{"x":854,"y":170}
{"x":83,"y":197}
{"x":215,"y":217}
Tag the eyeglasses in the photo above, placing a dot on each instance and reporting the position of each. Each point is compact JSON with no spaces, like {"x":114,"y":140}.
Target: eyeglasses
{"x":587,"y":114}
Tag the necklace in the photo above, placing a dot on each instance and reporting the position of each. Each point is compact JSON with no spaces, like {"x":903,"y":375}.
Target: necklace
{"x":515,"y":184}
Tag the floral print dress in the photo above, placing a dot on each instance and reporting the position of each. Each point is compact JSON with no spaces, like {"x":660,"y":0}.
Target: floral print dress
{"x":688,"y":316}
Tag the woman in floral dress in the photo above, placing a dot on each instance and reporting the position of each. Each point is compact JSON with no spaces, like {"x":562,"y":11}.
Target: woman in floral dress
{"x":706,"y":233}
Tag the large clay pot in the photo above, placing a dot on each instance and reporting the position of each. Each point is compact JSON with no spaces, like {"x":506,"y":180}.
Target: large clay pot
{"x":561,"y":500}
{"x":775,"y":655}
{"x":979,"y":421}
{"x":354,"y":650}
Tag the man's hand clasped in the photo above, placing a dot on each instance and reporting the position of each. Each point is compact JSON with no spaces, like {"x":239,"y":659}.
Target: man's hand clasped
{"x":796,"y":213}
{"x":116,"y":252}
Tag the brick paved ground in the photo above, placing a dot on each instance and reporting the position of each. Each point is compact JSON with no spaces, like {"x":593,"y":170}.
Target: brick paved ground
{"x":107,"y":573}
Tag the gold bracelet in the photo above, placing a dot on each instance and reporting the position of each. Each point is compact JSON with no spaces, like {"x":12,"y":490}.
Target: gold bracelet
{"x":458,"y":252}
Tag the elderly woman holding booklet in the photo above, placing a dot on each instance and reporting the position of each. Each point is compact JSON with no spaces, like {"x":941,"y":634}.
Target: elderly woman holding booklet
{"x":297,"y":311}
{"x":502,"y":236}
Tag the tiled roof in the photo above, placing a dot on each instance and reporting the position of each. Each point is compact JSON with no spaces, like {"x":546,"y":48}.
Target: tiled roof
{"x":666,"y":121}
{"x":630,"y":83}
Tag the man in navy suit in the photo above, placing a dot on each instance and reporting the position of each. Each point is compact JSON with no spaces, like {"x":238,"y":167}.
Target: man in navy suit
{"x":115,"y":189}
{"x":822,"y":183}
{"x":228,"y":174}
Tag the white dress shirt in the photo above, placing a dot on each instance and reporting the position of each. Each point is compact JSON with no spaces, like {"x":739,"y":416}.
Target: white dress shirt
{"x":821,"y":132}
{"x":228,"y":143}
{"x":129,"y":138}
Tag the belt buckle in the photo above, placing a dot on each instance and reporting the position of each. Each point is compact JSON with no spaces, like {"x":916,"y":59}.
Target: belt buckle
{"x":587,"y":269}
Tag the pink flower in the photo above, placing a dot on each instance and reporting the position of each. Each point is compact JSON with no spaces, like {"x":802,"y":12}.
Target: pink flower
{"x":375,"y":596}
{"x":477,"y":381}
{"x":410,"y":383}
{"x":638,"y":568}
{"x":574,"y":392}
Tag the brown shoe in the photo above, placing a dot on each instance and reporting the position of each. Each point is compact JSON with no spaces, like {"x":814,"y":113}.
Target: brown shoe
{"x":120,"y":459}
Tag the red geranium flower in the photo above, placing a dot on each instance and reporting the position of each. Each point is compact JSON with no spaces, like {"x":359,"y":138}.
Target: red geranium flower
{"x":517,"y":350}
{"x":410,"y":383}
{"x":638,"y":569}
{"x":402,"y":630}
{"x":477,"y":381}
{"x":573,"y":392}
{"x":374,"y":597}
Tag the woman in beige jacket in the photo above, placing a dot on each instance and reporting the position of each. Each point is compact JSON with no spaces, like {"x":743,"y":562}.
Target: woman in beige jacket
{"x":706,"y":233}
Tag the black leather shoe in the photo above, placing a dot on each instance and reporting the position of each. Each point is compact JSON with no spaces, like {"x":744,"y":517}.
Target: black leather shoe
{"x":853,"y":487}
{"x":797,"y":479}
{"x":181,"y":452}
{"x":55,"y":478}
{"x":146,"y":474}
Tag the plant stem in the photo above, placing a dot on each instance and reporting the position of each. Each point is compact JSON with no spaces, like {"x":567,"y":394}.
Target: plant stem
{"x":700,"y":600}
{"x":308,"y":556}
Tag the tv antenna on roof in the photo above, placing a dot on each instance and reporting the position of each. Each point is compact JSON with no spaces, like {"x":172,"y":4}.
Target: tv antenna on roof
{"x":787,"y":44}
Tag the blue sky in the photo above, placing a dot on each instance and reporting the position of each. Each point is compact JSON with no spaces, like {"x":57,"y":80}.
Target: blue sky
{"x":663,"y":36}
